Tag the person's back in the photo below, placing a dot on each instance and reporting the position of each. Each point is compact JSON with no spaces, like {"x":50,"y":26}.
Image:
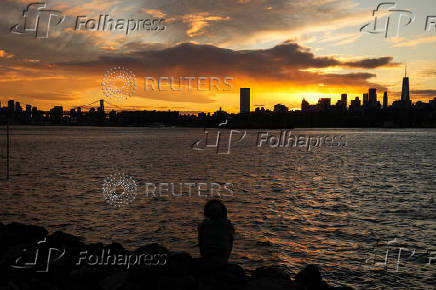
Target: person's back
{"x":215,"y":233}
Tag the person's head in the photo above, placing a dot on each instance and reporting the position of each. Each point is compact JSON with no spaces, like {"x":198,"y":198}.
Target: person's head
{"x":215,"y":209}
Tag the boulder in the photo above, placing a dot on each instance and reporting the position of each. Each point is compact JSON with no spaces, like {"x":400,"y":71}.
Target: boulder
{"x":16,"y":233}
{"x":271,"y":278}
{"x":178,"y":271}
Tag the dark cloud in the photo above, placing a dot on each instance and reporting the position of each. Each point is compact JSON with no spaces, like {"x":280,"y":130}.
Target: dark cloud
{"x":215,"y":22}
{"x":428,"y":73}
{"x":424,"y":93}
{"x":372,"y":62}
{"x":226,"y":23}
{"x":283,"y":63}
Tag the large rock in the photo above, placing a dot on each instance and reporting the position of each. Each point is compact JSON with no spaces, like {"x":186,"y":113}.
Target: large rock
{"x":271,"y":278}
{"x":310,"y":277}
{"x":180,"y":271}
{"x":62,"y":240}
{"x":114,"y":282}
{"x":178,"y":263}
{"x":16,"y":233}
{"x":217,"y":276}
{"x":18,"y":240}
{"x":151,"y":249}
{"x":278,"y":272}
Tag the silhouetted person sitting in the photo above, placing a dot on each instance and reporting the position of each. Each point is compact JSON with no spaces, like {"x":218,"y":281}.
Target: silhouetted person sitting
{"x":215,"y":233}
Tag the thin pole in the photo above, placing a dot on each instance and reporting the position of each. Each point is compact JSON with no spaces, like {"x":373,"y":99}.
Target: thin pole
{"x":7,"y":150}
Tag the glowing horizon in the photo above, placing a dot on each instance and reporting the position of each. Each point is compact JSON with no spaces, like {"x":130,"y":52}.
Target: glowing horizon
{"x":283,"y":59}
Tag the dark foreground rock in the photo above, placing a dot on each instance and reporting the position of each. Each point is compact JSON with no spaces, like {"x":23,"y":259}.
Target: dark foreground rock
{"x":32,"y":259}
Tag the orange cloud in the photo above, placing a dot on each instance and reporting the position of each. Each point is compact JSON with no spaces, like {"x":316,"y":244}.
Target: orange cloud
{"x":155,"y":13}
{"x":416,"y":42}
{"x":199,"y":21}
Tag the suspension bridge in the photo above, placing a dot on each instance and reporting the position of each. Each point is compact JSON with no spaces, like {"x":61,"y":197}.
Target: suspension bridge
{"x":101,"y":106}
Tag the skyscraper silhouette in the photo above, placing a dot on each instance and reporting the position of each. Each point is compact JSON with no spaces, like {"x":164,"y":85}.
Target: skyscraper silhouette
{"x":101,"y":107}
{"x":385,"y":100}
{"x":365,"y":100}
{"x":372,"y":93}
{"x":245,"y":100}
{"x":405,"y":96}
{"x":344,"y":100}
{"x":11,"y":105}
{"x":304,"y":105}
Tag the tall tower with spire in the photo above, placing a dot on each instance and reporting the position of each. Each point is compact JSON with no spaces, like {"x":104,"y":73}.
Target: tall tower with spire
{"x":385,"y":100}
{"x":405,"y":95}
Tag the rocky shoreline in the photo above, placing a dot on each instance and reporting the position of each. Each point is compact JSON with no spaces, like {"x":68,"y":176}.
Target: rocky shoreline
{"x":31,"y":258}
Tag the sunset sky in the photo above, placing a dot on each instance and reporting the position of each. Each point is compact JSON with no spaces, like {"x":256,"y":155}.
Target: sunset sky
{"x":283,"y":50}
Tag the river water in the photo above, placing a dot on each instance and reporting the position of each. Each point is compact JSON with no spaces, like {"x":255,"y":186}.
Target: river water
{"x":347,"y":208}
